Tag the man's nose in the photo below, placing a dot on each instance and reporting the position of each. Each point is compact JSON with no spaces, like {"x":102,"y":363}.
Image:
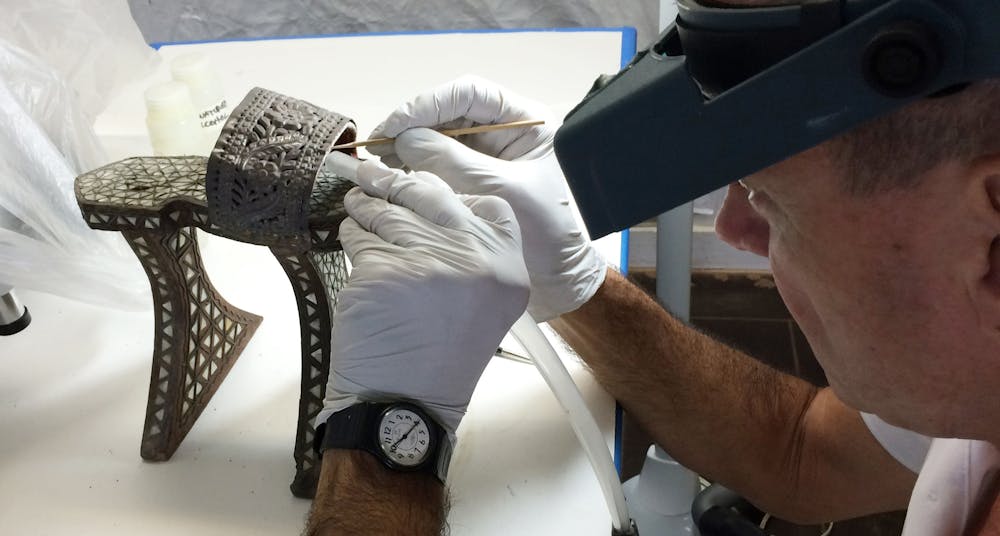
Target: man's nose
{"x":739,"y":225}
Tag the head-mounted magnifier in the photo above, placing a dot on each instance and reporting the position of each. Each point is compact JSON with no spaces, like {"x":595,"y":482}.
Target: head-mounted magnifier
{"x":725,"y":92}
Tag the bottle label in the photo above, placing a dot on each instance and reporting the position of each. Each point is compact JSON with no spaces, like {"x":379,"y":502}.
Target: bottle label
{"x":215,"y":116}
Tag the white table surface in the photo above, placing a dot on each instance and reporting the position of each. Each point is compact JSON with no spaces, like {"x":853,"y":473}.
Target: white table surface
{"x":73,"y":386}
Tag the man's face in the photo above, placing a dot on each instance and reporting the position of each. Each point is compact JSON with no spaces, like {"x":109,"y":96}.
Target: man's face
{"x":878,"y":283}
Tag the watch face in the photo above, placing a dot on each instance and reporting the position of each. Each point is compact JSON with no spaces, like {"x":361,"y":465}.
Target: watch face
{"x":404,"y":437}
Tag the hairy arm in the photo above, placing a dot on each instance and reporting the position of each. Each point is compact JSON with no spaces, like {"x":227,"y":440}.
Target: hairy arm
{"x":789,"y":447}
{"x":356,"y":495}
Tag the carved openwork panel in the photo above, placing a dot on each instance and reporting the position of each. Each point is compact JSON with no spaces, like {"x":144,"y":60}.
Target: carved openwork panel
{"x":261,"y":173}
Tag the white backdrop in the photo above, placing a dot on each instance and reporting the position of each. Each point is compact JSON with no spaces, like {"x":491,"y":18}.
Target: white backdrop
{"x":83,"y":372}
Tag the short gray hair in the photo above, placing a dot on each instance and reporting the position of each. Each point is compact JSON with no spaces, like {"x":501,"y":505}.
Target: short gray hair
{"x":895,"y":150}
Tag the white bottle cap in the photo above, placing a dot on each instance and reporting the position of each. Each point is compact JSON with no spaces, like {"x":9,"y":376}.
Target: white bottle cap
{"x":170,"y":99}
{"x":191,"y":67}
{"x":172,"y":121}
{"x":195,"y":70}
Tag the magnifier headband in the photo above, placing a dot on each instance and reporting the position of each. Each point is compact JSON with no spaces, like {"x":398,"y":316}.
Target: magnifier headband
{"x":727,"y":46}
{"x":725,"y":92}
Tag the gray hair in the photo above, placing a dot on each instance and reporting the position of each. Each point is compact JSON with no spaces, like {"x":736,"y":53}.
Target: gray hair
{"x":895,"y":150}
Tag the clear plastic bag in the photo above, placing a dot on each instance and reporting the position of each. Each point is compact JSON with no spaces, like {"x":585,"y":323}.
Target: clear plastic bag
{"x":95,"y":46}
{"x":46,"y":140}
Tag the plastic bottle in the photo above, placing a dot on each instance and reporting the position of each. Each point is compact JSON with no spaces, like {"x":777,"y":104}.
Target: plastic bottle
{"x":660,"y":497}
{"x":195,"y":70}
{"x":172,"y":122}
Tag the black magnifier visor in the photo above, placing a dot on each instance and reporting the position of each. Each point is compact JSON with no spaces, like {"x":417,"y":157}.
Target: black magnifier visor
{"x":720,"y":55}
{"x":725,"y":92}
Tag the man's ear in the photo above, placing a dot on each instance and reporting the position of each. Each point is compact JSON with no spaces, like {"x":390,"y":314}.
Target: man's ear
{"x":993,"y":189}
{"x":992,"y":279}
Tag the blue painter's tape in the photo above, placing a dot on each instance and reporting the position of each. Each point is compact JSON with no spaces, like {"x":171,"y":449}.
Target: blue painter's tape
{"x":628,"y":52}
{"x":629,"y":45}
{"x":629,"y":39}
{"x":625,"y":234}
{"x":619,"y":419}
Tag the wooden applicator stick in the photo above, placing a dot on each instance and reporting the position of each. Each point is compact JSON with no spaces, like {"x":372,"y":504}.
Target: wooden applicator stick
{"x":450,"y":133}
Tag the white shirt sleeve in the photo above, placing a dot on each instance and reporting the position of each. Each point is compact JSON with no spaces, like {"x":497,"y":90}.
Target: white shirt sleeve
{"x":909,"y":448}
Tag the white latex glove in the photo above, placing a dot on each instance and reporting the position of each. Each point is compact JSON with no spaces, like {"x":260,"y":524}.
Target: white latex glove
{"x":518,"y":165}
{"x":438,"y":280}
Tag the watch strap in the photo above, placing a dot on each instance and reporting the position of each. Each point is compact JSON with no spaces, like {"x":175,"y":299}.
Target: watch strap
{"x":445,"y":450}
{"x":355,"y":428}
{"x":350,"y":429}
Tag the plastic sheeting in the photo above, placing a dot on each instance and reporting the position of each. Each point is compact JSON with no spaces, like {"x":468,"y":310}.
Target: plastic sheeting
{"x":47,"y":103}
{"x":62,"y":60}
{"x":191,"y":20}
{"x":94,"y":45}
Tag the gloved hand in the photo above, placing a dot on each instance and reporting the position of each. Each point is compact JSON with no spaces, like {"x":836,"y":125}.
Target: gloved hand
{"x":438,"y":280}
{"x":518,"y":165}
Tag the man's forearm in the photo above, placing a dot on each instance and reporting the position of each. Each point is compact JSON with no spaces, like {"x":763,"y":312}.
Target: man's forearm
{"x":691,"y":393}
{"x":768,"y":435}
{"x":357,"y":495}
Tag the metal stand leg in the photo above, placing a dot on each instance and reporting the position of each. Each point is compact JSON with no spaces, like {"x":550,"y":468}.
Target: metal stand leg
{"x":316,"y":277}
{"x":14,"y":317}
{"x":198,"y":337}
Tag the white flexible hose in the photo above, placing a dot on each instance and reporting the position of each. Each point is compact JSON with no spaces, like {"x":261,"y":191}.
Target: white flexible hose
{"x":526,"y":332}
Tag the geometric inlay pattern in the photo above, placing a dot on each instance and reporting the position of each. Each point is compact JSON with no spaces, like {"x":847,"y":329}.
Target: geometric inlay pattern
{"x":149,"y":182}
{"x":316,"y":278}
{"x":198,"y":336}
{"x":276,"y":145}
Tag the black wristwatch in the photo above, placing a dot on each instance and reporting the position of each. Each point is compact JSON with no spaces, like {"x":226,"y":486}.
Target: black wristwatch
{"x":400,"y":435}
